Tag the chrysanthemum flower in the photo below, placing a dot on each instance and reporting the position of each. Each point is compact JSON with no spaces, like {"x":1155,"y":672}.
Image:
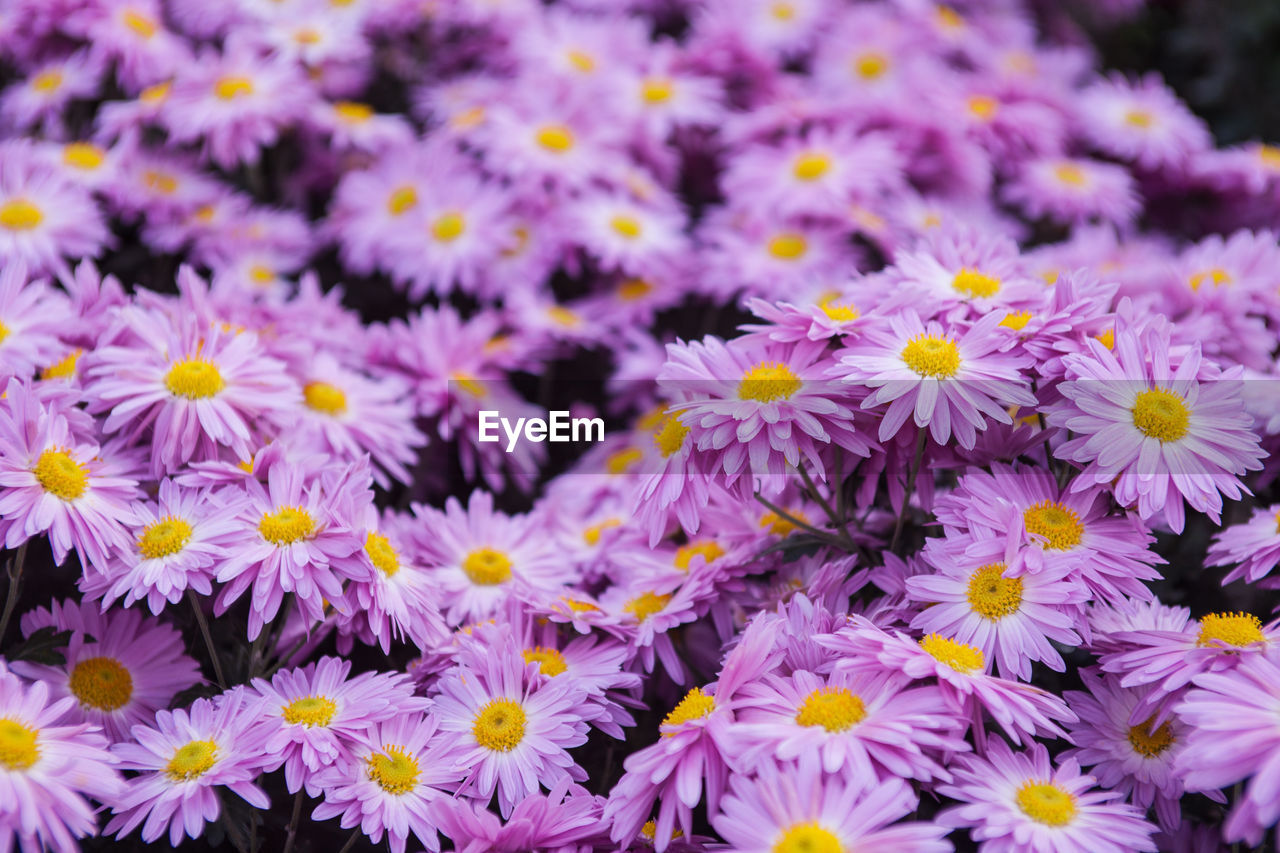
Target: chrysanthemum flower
{"x":960,"y":273}
{"x":182,"y":760}
{"x":1021,"y":802}
{"x":784,"y":809}
{"x":1141,"y":121}
{"x":44,"y":216}
{"x":120,"y":667}
{"x":1253,"y":547}
{"x":41,"y":99}
{"x":568,"y":818}
{"x":316,"y":714}
{"x":627,"y":234}
{"x":1075,"y":190}
{"x":46,"y":769}
{"x":953,"y":380}
{"x":30,"y":318}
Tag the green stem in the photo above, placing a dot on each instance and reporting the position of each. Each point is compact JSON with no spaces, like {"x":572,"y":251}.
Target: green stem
{"x":836,"y":523}
{"x":208,"y":639}
{"x":804,"y":525}
{"x":14,"y":572}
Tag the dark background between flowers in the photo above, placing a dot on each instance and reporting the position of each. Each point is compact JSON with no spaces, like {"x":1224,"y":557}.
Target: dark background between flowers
{"x":1223,"y":58}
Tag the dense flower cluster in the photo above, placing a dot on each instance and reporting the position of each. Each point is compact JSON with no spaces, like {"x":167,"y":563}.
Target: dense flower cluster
{"x":901,"y":550}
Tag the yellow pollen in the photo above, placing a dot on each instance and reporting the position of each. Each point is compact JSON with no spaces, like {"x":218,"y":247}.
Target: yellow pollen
{"x":394,"y":769}
{"x":845,"y":313}
{"x":871,"y":66}
{"x":261,"y":274}
{"x":788,"y":246}
{"x":307,"y":35}
{"x":167,"y":536}
{"x":1017,"y":320}
{"x":779,"y":526}
{"x":1138,"y":118}
{"x":1217,"y":275}
{"x":139,"y":23}
{"x":468,"y":118}
{"x":1071,"y":174}
{"x":1233,"y":629}
{"x":155,"y":94}
{"x":381,"y":554}
{"x":563,"y":316}
{"x":811,"y":166}
{"x":1149,"y":744}
{"x":622,"y":461}
{"x":230,"y":88}
{"x":83,"y":155}
{"x":402,"y":199}
{"x":579,"y":606}
{"x":192,"y":761}
{"x":163,"y":183}
{"x":593,"y":533}
{"x":448,"y":227}
{"x":931,"y":356}
{"x":1161,"y":414}
{"x":992,"y":595}
{"x":670,"y":435}
{"x":694,"y":706}
{"x":958,"y":656}
{"x":323,"y":397}
{"x":808,"y":838}
{"x":633,"y":289}
{"x":310,"y":711}
{"x":1107,"y":338}
{"x":286,"y":525}
{"x":1056,"y":523}
{"x":836,"y":709}
{"x":64,"y":368}
{"x":626,"y":226}
{"x":783,"y":11}
{"x":60,"y":475}
{"x":950,"y":18}
{"x":193,"y":378}
{"x":709,"y":549}
{"x":1046,"y":803}
{"x":973,"y":284}
{"x":102,"y":683}
{"x":469,"y":384}
{"x":500,"y":725}
{"x":646,"y":604}
{"x":20,"y":215}
{"x":582,"y":61}
{"x":550,"y":661}
{"x":1270,"y":156}
{"x":656,"y":90}
{"x":984,"y":107}
{"x":353,"y":112}
{"x":769,"y":381}
{"x":47,"y":81}
{"x":555,"y":137}
{"x":18,"y":750}
{"x":487,"y":567}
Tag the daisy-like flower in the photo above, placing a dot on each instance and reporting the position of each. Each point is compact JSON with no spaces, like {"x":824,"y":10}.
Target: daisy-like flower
{"x":506,"y":732}
{"x":1252,"y":547}
{"x":182,"y":761}
{"x":30,"y":316}
{"x":627,"y":234}
{"x":951,"y":379}
{"x":198,"y":387}
{"x":120,"y":667}
{"x":1075,"y":190}
{"x":784,"y":809}
{"x":1020,"y":803}
{"x":1141,"y":121}
{"x":964,"y":272}
{"x":57,"y":483}
{"x":44,"y":216}
{"x":46,"y":769}
{"x":316,"y":714}
{"x":567,"y":818}
{"x":295,"y":539}
{"x":762,"y":409}
{"x":858,"y":725}
{"x":480,"y":556}
{"x":177,"y":542}
{"x":42,"y":97}
{"x":1148,"y":424}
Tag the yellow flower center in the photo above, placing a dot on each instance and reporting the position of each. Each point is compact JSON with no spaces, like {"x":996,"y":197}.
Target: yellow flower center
{"x":1217,"y":275}
{"x":562,"y":316}
{"x":102,"y":683}
{"x":958,"y":656}
{"x":836,"y":709}
{"x":626,"y":226}
{"x":1107,"y":338}
{"x":192,"y":760}
{"x":811,"y":166}
{"x":633,"y":289}
{"x":1046,"y":803}
{"x":656,"y":90}
{"x":155,"y":94}
{"x":768,"y":381}
{"x":1149,"y":744}
{"x":782,"y":11}
{"x":47,"y":81}
{"x":582,"y":61}
{"x":500,"y":725}
{"x":307,"y":35}
{"x":394,"y":769}
{"x":845,"y":313}
{"x":193,"y":378}
{"x":1270,"y":156}
{"x":984,"y":107}
{"x":139,"y":23}
{"x":1070,"y":174}
{"x":779,"y":526}
{"x":60,"y":475}
{"x":230,"y":88}
{"x":1138,"y":118}
{"x":593,"y":533}
{"x":974,"y":284}
{"x":325,"y":398}
{"x":20,"y":215}
{"x":1056,"y":523}
{"x":992,"y":595}
{"x":950,"y":19}
{"x":469,"y":384}
{"x":64,"y":368}
{"x":871,"y":66}
{"x":550,"y":661}
{"x":621,"y":461}
{"x":448,"y":227}
{"x":709,"y":549}
{"x":808,"y":838}
{"x":381,"y":554}
{"x":670,"y":435}
{"x":694,"y":706}
{"x":555,"y":137}
{"x":1234,"y":629}
{"x":83,"y":155}
{"x":402,"y":199}
{"x":487,"y":567}
{"x":286,"y":525}
{"x":353,"y":112}
{"x":646,"y":604}
{"x":310,"y":711}
{"x":1161,"y":414}
{"x":161,"y":182}
{"x":18,"y":750}
{"x":167,"y":536}
{"x":788,"y":246}
{"x":1016,"y":320}
{"x":931,"y":356}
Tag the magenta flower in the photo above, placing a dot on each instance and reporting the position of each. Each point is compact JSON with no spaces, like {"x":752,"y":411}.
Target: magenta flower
{"x":1252,"y":547}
